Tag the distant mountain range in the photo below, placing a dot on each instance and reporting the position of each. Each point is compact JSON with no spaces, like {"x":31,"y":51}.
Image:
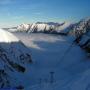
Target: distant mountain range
{"x":81,"y":29}
{"x":44,"y":27}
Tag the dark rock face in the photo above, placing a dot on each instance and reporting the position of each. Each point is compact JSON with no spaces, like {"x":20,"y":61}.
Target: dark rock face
{"x":4,"y":79}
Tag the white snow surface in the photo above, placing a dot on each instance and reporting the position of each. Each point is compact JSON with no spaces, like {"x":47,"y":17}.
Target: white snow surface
{"x":6,"y":36}
{"x":52,"y":53}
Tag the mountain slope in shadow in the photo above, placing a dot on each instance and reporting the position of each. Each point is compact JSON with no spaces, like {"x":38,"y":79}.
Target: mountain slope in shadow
{"x":14,"y":58}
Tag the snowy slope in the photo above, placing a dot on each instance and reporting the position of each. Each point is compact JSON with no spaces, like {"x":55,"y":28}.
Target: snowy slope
{"x":14,"y":57}
{"x":52,"y":53}
{"x":7,"y":37}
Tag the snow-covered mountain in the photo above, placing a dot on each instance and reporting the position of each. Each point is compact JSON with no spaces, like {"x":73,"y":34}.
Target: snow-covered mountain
{"x":49,"y":27}
{"x":80,"y":30}
{"x":82,"y":33}
{"x":44,"y":27}
{"x":14,"y":57}
{"x":82,"y":27}
{"x":51,"y":53}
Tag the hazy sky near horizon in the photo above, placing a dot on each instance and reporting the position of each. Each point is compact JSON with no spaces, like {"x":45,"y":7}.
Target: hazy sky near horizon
{"x":14,"y":12}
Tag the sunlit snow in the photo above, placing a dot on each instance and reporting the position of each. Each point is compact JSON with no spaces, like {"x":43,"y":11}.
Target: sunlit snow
{"x":6,"y":36}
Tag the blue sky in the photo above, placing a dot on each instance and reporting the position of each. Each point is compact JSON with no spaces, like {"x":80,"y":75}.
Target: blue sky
{"x":14,"y":12}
